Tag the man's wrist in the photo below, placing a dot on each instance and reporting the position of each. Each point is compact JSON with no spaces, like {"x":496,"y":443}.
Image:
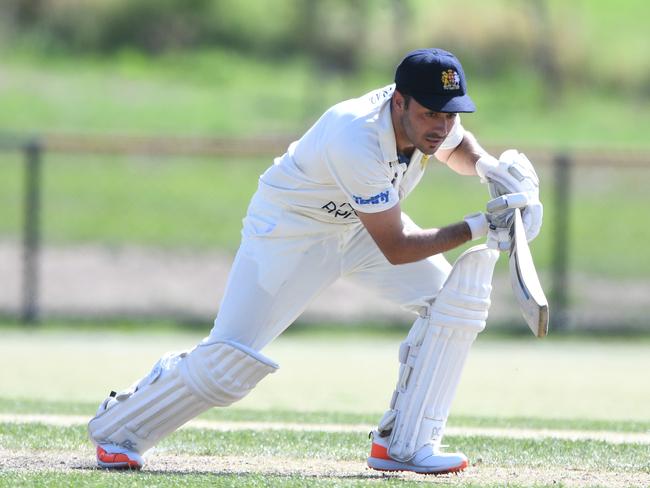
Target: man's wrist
{"x":478,"y":224}
{"x":485,"y":164}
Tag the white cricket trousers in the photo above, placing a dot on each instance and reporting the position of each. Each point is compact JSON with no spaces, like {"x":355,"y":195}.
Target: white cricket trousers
{"x":286,"y":259}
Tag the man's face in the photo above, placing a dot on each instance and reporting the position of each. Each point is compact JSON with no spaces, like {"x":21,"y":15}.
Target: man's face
{"x":424,"y":128}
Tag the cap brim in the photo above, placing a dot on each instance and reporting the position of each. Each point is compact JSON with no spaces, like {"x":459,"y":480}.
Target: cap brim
{"x":463,"y":104}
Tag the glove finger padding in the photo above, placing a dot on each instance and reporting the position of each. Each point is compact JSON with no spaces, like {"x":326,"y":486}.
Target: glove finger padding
{"x":500,"y":217}
{"x":511,"y":173}
{"x":532,"y":219}
{"x":498,"y":239}
{"x":496,"y":188}
{"x":514,"y":173}
{"x":517,"y":171}
{"x":499,"y":223}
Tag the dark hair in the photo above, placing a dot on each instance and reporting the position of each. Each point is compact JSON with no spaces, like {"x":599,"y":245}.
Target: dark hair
{"x":407,"y":99}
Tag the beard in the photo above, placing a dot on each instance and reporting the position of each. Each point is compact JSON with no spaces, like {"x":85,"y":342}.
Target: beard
{"x":427,"y":143}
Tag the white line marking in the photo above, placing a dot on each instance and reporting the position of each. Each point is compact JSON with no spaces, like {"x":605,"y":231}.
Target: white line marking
{"x":225,"y":426}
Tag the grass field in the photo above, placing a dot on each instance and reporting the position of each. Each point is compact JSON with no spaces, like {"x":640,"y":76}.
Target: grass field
{"x":528,"y":413}
{"x":221,"y":92}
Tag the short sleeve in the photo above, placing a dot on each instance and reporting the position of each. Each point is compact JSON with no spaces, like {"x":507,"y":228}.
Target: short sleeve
{"x":455,"y":136}
{"x":360,"y":172}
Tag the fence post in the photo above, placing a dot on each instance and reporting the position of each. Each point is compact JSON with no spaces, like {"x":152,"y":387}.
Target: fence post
{"x":31,"y":232}
{"x":560,"y":288}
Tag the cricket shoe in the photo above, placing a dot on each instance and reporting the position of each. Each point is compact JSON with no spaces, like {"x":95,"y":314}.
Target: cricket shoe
{"x":426,"y":460}
{"x":111,"y":456}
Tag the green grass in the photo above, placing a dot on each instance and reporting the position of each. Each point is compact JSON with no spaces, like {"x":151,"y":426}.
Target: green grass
{"x":585,"y":385}
{"x":99,"y":479}
{"x":179,"y":203}
{"x":163,"y":479}
{"x":221,"y":92}
{"x":238,"y":414}
{"x":197,"y":93}
{"x":556,"y":379}
{"x":211,"y":92}
{"x":490,"y":452}
{"x":103,"y":479}
{"x":345,"y":447}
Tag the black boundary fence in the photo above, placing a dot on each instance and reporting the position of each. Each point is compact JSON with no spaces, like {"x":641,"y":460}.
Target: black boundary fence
{"x":34,"y":149}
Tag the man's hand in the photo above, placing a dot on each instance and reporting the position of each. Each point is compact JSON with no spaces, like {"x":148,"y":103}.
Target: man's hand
{"x":497,"y":221}
{"x":514,"y":173}
{"x":496,"y":228}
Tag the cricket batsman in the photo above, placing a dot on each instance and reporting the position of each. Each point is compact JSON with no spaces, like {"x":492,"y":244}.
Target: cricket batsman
{"x":331,"y":207}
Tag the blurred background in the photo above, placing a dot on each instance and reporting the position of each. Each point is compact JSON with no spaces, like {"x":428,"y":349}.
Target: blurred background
{"x":132,"y":133}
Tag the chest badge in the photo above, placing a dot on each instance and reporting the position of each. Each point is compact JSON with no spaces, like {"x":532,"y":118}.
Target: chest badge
{"x":425,"y":160}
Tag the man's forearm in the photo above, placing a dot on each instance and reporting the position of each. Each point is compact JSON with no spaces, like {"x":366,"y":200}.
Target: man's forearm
{"x":463,"y":158}
{"x":419,"y":244}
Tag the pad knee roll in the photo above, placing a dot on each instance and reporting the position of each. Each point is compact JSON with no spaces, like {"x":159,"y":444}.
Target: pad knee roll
{"x":179,"y":387}
{"x":434,"y":353}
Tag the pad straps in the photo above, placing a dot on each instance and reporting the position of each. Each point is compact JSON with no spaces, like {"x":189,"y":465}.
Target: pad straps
{"x":434,"y":353}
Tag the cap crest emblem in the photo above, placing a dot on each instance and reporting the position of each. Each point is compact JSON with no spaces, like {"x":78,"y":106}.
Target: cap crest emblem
{"x":450,"y":80}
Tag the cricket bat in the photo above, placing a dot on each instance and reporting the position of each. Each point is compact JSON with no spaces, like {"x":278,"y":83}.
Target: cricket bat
{"x":524,"y":280}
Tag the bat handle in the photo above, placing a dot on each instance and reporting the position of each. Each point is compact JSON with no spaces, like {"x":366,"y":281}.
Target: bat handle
{"x":504,"y":202}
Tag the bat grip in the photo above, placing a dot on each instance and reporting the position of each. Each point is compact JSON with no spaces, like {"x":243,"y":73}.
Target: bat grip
{"x":504,"y":202}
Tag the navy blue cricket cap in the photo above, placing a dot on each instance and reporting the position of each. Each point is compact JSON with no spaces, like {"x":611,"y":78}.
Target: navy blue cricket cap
{"x":435,"y":79}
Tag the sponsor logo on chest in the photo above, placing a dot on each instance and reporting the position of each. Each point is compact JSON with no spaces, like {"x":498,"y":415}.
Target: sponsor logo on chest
{"x":339,"y":211}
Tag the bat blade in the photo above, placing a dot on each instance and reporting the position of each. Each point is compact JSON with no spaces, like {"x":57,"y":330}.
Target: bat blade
{"x":525,"y":281}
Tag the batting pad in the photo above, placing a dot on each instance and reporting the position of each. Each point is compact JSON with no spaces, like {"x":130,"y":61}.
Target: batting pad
{"x":434,"y":353}
{"x":179,"y":387}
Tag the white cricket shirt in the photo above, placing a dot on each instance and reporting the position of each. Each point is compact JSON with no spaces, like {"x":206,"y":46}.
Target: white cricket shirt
{"x":347,"y":161}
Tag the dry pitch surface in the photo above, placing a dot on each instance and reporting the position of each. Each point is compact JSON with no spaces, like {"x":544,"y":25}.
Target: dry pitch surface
{"x":165,"y":462}
{"x":30,"y":461}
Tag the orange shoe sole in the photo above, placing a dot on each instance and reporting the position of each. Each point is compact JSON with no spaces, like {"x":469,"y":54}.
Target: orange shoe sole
{"x":109,"y":460}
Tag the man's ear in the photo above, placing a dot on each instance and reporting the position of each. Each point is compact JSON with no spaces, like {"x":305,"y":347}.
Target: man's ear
{"x":398,"y":100}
